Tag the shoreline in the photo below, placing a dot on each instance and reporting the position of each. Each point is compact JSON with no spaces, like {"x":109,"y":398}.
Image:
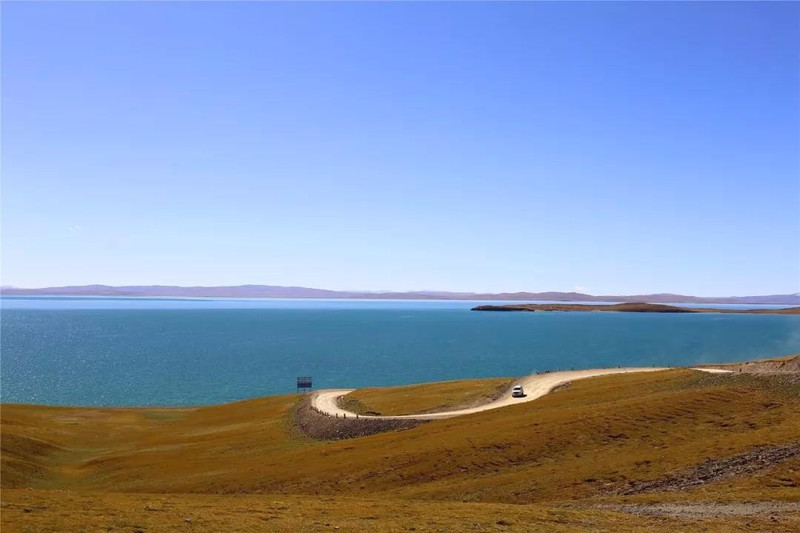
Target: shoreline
{"x":787,"y":363}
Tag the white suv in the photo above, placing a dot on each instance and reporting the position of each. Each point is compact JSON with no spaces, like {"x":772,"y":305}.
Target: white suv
{"x":517,"y":392}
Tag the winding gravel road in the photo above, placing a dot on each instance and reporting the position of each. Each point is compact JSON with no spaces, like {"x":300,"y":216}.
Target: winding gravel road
{"x":536,"y":386}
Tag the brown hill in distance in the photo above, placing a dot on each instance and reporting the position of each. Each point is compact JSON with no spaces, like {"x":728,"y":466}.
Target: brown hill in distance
{"x":635,"y":307}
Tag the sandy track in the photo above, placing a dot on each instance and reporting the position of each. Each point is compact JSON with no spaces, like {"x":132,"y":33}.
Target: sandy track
{"x":536,"y":386}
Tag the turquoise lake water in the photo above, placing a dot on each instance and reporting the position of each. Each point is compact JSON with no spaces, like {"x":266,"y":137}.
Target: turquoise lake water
{"x":151,"y":351}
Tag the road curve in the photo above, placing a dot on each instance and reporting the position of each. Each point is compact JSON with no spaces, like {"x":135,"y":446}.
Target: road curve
{"x":714,"y":370}
{"x":536,"y":386}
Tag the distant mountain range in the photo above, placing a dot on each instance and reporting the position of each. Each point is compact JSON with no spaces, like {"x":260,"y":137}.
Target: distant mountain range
{"x":270,"y":291}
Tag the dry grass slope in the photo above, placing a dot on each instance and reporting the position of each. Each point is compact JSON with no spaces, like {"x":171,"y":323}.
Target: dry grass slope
{"x":44,"y":512}
{"x":576,"y":447}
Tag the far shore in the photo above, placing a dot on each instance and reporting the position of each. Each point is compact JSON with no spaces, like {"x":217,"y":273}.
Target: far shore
{"x":633,"y":308}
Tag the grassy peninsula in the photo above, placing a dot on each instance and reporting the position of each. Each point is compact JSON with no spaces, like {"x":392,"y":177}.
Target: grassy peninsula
{"x":426,"y":398}
{"x":635,"y":307}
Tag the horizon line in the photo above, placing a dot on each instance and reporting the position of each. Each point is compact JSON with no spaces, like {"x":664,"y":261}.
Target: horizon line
{"x":380,"y":291}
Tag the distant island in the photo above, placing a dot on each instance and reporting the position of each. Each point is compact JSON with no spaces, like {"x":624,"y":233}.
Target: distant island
{"x":273,"y":291}
{"x":634,"y":307}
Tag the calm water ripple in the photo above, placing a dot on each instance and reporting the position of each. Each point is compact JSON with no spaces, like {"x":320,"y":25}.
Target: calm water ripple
{"x":116,"y":351}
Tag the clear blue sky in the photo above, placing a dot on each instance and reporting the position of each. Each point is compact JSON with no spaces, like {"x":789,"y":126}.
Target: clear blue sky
{"x":608,"y":147}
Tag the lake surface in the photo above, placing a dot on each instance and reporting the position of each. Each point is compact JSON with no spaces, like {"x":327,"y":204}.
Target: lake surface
{"x":153,"y":351}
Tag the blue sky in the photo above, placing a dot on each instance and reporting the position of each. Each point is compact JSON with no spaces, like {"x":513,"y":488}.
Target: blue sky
{"x":603,"y":147}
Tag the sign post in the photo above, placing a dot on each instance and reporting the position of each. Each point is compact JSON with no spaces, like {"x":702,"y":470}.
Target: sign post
{"x":304,"y":384}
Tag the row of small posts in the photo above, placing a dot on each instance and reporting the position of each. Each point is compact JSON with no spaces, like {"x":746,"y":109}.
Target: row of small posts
{"x":336,"y":415}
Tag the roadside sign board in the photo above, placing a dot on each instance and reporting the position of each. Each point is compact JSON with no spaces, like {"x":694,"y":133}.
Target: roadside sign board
{"x":304,"y":382}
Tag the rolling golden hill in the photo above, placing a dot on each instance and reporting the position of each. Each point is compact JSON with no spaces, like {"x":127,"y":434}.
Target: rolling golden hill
{"x":674,"y":450}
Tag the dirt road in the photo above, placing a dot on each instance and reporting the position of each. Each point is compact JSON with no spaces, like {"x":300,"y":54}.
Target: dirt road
{"x":535,"y":386}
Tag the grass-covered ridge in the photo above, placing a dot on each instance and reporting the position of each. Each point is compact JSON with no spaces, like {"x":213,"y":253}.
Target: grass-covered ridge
{"x":579,"y":446}
{"x":426,"y":397}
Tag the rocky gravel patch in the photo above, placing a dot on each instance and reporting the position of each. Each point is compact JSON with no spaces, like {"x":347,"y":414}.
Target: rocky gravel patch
{"x":321,"y":426}
{"x":786,"y":365}
{"x":708,"y":510}
{"x":712,"y":470}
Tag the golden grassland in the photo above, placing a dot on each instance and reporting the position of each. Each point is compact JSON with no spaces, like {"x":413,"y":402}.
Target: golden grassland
{"x":239,"y":466}
{"x":425,"y":398}
{"x":57,"y":512}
